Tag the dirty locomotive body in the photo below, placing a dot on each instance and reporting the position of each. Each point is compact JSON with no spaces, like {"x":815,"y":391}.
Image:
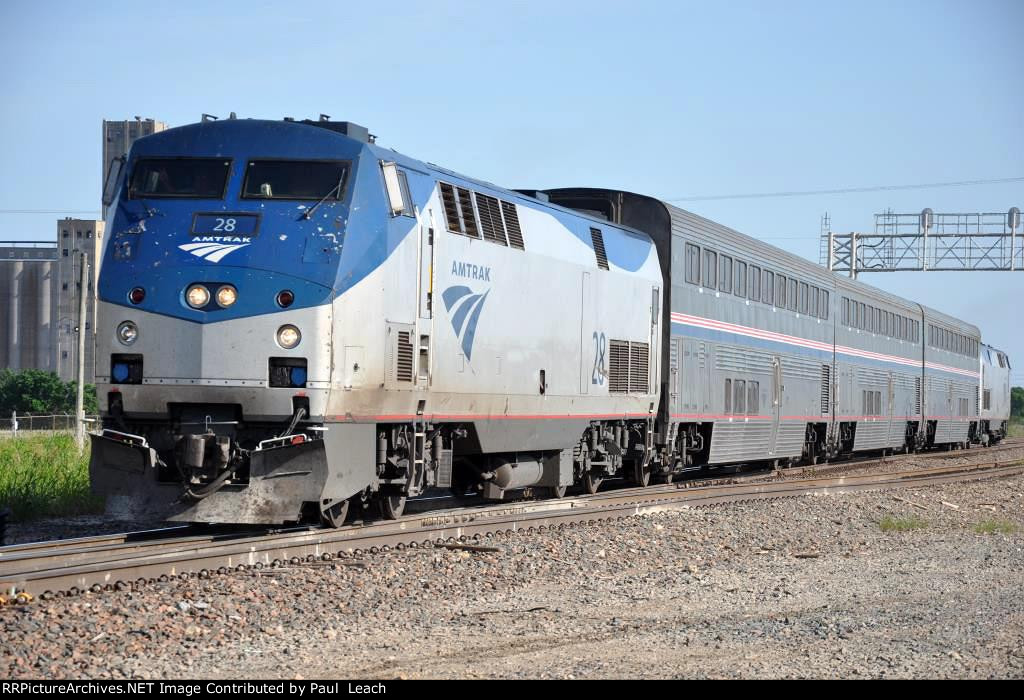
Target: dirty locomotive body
{"x":293,"y":320}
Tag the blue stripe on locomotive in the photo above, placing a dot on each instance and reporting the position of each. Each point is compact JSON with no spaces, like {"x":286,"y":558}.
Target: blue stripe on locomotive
{"x":318,"y":259}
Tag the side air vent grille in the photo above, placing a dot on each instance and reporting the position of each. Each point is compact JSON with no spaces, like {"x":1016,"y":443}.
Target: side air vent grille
{"x":515,"y":233}
{"x":495,"y":218}
{"x":629,"y":367}
{"x":826,"y":389}
{"x":618,"y":366}
{"x":598,"y":239}
{"x":490,"y":218}
{"x":404,"y":357}
{"x":469,"y":226}
{"x":917,"y":396}
{"x":639,"y":367}
{"x":451,"y":209}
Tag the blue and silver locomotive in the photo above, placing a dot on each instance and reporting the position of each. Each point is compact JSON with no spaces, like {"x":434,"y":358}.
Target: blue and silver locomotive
{"x":292,"y":319}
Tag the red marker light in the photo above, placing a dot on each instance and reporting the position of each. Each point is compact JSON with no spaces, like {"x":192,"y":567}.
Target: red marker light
{"x":285,"y":298}
{"x":137,"y":295}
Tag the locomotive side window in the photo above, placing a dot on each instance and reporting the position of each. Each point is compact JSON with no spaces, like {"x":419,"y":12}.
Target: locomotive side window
{"x":755,"y":283}
{"x":802,"y":308}
{"x":791,"y":297}
{"x":294,"y":179}
{"x":769,"y":287}
{"x":195,"y":178}
{"x":823,"y":305}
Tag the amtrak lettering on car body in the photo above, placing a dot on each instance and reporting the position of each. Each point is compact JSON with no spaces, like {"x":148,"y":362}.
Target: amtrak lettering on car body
{"x":471,"y":271}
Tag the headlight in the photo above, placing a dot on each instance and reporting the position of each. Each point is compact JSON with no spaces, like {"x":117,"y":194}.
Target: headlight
{"x":197,"y":296}
{"x":127,"y":333}
{"x":227,"y":295}
{"x":285,"y":298}
{"x":288,"y":337}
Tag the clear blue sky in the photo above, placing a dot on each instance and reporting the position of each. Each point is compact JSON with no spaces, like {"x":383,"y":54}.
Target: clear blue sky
{"x":671,"y":99}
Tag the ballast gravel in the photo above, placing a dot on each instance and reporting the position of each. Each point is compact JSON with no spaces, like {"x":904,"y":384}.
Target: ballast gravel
{"x":804,"y":587}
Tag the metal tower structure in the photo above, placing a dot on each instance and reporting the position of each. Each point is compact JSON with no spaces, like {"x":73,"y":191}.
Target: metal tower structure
{"x":928,"y":241}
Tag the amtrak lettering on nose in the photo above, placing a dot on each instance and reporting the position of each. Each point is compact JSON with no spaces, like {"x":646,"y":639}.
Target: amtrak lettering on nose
{"x":215,"y":248}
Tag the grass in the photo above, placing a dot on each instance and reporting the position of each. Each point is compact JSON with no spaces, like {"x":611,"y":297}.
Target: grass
{"x":1015,"y":428}
{"x":44,"y":476}
{"x":993,"y":527}
{"x":893,"y":524}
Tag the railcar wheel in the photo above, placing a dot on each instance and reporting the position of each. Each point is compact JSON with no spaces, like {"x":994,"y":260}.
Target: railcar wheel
{"x":552,"y":491}
{"x":391,"y":507}
{"x":334,"y":515}
{"x":641,"y":475}
{"x":591,"y":482}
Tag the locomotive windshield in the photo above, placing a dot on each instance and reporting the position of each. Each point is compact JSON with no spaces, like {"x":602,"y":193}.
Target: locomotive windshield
{"x":294,"y":179}
{"x":200,"y":178}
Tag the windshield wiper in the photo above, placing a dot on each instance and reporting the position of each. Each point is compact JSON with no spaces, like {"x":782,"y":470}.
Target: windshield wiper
{"x":334,"y":190}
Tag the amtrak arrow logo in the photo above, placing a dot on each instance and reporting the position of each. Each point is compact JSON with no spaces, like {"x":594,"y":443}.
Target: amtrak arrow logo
{"x":464,"y":307}
{"x":211,"y":251}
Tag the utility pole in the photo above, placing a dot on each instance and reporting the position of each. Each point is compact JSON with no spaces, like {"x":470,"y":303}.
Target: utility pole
{"x":80,"y":397}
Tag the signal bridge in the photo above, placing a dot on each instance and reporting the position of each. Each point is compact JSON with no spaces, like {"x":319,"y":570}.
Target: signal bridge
{"x":927,"y":241}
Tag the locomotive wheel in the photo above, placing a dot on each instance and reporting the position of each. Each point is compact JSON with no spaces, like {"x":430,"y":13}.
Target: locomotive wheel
{"x":552,"y":491}
{"x":591,"y":482}
{"x":391,"y":507}
{"x":334,"y":515}
{"x":641,"y":475}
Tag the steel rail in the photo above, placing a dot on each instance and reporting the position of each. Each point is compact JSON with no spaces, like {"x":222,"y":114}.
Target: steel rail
{"x":140,"y":539}
{"x":280,"y":549}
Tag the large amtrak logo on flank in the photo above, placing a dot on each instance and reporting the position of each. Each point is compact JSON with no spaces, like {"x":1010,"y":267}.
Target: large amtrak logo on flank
{"x":464,"y":307}
{"x":215,"y":248}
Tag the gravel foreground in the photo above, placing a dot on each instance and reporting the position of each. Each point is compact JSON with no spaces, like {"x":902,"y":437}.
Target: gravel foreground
{"x":806,"y":587}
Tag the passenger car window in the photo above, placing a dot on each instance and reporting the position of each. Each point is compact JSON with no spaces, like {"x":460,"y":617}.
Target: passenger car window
{"x":755,"y":283}
{"x":741,"y":279}
{"x":692,"y":264}
{"x":710,"y":269}
{"x":725,"y":275}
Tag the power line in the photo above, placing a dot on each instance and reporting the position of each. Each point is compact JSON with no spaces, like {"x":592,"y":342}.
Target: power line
{"x":700,"y":198}
{"x":846,"y":190}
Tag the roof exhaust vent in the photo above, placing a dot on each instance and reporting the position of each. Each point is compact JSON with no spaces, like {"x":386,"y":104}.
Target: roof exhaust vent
{"x":209,"y":117}
{"x":353,"y":131}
